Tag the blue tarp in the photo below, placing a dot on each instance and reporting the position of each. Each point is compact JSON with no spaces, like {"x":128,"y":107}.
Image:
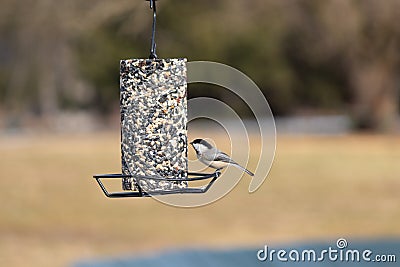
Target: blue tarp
{"x":248,"y":257}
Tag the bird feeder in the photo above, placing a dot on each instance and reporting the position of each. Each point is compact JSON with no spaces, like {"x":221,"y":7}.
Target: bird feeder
{"x":154,"y":146}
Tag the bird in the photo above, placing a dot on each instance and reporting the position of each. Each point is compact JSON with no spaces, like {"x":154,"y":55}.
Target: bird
{"x":213,"y":157}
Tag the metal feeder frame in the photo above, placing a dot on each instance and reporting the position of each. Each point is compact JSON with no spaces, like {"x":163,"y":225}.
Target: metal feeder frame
{"x":141,"y":193}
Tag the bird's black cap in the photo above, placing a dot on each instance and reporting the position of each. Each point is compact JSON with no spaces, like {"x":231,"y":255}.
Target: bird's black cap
{"x":201,"y":141}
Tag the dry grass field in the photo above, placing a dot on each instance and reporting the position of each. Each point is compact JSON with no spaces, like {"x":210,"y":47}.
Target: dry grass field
{"x":320,"y":188}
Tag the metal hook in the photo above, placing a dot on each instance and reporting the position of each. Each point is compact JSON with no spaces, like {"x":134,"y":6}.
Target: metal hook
{"x":153,"y":54}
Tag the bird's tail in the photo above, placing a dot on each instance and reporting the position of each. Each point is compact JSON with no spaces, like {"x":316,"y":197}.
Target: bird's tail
{"x":243,"y":169}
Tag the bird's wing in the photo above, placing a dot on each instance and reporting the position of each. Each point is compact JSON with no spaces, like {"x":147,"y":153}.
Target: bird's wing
{"x":221,"y":156}
{"x":225,"y":158}
{"x":209,"y":155}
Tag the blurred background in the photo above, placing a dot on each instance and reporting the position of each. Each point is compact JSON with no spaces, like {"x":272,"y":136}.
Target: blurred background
{"x":329,"y":69}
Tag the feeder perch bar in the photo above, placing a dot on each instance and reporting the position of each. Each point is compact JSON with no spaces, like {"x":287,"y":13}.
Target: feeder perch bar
{"x":140,"y":193}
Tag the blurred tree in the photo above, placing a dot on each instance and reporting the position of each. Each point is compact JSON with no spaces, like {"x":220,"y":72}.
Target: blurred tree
{"x":359,"y":39}
{"x":374,"y":66}
{"x":43,"y":68}
{"x":334,"y":55}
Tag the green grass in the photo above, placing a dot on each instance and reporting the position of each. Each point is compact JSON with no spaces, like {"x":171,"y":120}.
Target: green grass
{"x":53,"y":213}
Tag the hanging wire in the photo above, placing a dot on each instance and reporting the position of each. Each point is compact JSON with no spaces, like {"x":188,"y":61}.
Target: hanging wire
{"x":153,"y":54}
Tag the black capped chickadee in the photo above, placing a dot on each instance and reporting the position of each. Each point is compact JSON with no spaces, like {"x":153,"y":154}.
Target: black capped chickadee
{"x":214,"y":158}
